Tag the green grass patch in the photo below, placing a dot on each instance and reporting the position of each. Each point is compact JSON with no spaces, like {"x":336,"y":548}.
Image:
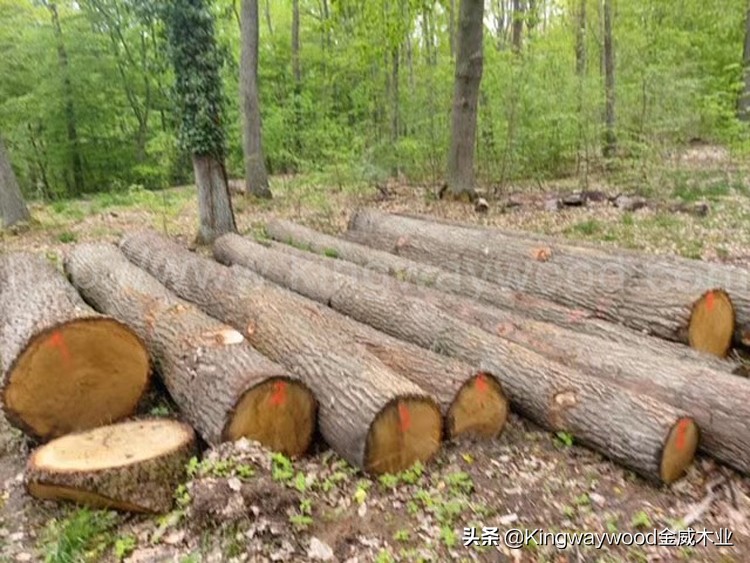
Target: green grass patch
{"x":590,"y":227}
{"x":83,"y":535}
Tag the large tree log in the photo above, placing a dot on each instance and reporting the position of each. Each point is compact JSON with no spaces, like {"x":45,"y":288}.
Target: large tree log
{"x":224,"y":387}
{"x":634,"y":430}
{"x":372,"y":417}
{"x":621,"y":290}
{"x":134,"y":466}
{"x":431,"y":277}
{"x":65,"y":367}
{"x":703,"y":388}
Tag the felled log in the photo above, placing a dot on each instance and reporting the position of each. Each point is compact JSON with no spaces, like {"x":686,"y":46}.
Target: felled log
{"x":371,"y":416}
{"x":431,"y":277}
{"x":621,"y":290}
{"x":225,"y":388}
{"x":65,"y":367}
{"x":133,"y":466}
{"x":633,"y":430}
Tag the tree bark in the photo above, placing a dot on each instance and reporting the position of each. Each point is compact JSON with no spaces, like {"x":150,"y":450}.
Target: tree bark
{"x":631,"y":429}
{"x":624,"y":291}
{"x":743,"y":105}
{"x":133,"y":466}
{"x":214,"y":202}
{"x":451,"y":382}
{"x":610,"y":137}
{"x":468,"y":76}
{"x":249,"y":396}
{"x":372,"y":417}
{"x":70,"y":113}
{"x":12,"y":205}
{"x":580,"y":23}
{"x":65,"y":367}
{"x":256,"y":176}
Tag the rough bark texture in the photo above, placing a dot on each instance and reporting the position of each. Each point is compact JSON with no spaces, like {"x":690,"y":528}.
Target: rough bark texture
{"x":208,"y":367}
{"x":674,"y":274}
{"x":610,"y":137}
{"x":442,"y":377}
{"x":630,"y":291}
{"x":354,"y":387}
{"x":214,"y":202}
{"x":12,"y":205}
{"x":93,"y":467}
{"x":630,"y":428}
{"x":468,"y":76}
{"x":256,"y":176}
{"x":477,"y":289}
{"x":65,"y":366}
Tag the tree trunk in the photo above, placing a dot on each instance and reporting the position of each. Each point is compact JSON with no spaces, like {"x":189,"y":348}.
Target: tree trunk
{"x":214,"y":201}
{"x":12,"y":205}
{"x":70,"y":113}
{"x":744,"y":101}
{"x":468,"y":77}
{"x":249,"y":396}
{"x":581,"y":38}
{"x":610,"y":138}
{"x":518,"y":17}
{"x":624,"y":291}
{"x":451,"y":382}
{"x":372,"y":417}
{"x":256,"y":176}
{"x":633,"y":430}
{"x":395,"y":107}
{"x":65,"y":367}
{"x":133,"y":466}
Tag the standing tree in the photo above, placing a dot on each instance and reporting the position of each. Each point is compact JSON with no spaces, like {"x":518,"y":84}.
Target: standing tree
{"x":12,"y":206}
{"x":196,"y":61}
{"x":518,"y":17}
{"x":468,"y":76}
{"x":610,"y":138}
{"x":744,"y":100}
{"x":256,"y":177}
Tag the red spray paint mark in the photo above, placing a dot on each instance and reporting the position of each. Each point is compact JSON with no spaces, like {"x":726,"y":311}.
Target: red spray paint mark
{"x":404,"y":417}
{"x":57,"y":341}
{"x":481,"y":383}
{"x":710,"y":301}
{"x":682,"y":427}
{"x":279,"y":393}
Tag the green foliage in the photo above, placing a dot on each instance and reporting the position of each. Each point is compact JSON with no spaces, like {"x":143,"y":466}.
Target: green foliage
{"x":83,"y":535}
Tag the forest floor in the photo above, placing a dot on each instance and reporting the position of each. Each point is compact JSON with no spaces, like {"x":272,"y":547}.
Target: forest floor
{"x":244,"y":504}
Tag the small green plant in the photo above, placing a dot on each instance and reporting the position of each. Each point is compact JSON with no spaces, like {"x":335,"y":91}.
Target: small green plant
{"x":564,"y":439}
{"x":300,"y":482}
{"x":583,"y":500}
{"x":384,"y":557}
{"x":388,"y":480}
{"x":84,"y":535}
{"x":281,"y":467}
{"x":182,"y":496}
{"x":569,"y":511}
{"x":448,"y":535}
{"x":401,"y":535}
{"x":412,"y":475}
{"x":460,"y":482}
{"x":160,"y":411}
{"x":641,"y":520}
{"x":331,"y":252}
{"x":67,"y":237}
{"x":124,"y":546}
{"x":303,"y":519}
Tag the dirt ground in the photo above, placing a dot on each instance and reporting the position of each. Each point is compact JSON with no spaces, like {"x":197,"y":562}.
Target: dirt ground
{"x":243,"y":504}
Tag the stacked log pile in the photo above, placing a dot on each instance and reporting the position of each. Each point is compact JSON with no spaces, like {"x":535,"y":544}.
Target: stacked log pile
{"x":700,"y":384}
{"x":427,"y":331}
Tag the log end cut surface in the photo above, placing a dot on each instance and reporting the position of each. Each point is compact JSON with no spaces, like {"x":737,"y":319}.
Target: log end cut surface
{"x":712,"y":323}
{"x":679,"y":449}
{"x":279,"y":413}
{"x":133,"y":466}
{"x":405,"y":431}
{"x":480,"y":409}
{"x":79,"y":375}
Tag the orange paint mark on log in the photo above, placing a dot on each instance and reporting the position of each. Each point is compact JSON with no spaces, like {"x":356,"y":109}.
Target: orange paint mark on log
{"x":58,"y":341}
{"x":710,"y":301}
{"x":682,"y":427}
{"x":404,"y":417}
{"x":481,"y":383}
{"x":541,"y":254}
{"x":279,"y":393}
